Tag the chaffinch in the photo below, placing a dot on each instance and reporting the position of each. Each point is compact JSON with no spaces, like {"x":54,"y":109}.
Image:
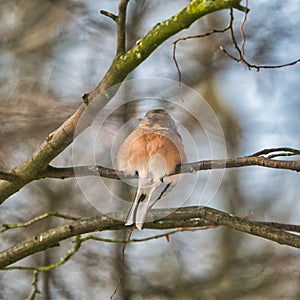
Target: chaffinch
{"x":151,"y":151}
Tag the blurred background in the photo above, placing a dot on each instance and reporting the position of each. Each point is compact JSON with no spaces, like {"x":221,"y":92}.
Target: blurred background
{"x":53,"y":51}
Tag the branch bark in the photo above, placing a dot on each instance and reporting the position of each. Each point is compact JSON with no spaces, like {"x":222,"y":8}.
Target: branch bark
{"x":253,"y":160}
{"x":121,"y":22}
{"x":183,"y":217}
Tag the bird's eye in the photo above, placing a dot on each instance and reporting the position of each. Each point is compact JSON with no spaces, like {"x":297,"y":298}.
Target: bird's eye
{"x":155,"y":120}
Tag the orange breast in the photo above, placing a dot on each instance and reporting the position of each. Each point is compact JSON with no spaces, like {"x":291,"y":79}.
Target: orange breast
{"x":167,"y":144}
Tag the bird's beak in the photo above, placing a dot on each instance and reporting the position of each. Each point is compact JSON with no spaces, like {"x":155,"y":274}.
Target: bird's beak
{"x":144,"y":121}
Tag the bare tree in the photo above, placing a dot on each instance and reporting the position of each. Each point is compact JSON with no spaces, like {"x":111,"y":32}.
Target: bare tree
{"x":48,"y":223}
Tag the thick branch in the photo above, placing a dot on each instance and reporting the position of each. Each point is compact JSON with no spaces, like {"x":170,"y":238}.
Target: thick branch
{"x":122,"y":65}
{"x":182,"y":217}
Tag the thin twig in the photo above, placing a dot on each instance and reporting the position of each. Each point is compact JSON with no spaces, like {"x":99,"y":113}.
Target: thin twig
{"x":61,"y":261}
{"x":176,"y":62}
{"x":254,"y":66}
{"x":109,"y":15}
{"x":233,"y":38}
{"x":34,"y":286}
{"x":268,"y":151}
{"x":123,"y":265}
{"x":197,"y":36}
{"x":242,"y":29}
{"x":126,"y":241}
{"x":160,"y":196}
{"x":6,"y":227}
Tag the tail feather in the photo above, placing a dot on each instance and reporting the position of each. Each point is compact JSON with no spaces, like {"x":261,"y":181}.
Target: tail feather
{"x":138,"y":211}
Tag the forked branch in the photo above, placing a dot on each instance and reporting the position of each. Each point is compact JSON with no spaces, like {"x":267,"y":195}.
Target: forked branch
{"x":122,"y":65}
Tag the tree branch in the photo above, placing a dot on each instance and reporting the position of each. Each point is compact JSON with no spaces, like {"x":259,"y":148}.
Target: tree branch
{"x":121,"y":66}
{"x":182,"y":217}
{"x":109,"y":15}
{"x":255,"y":159}
{"x":6,"y":227}
{"x":8,"y":176}
{"x":121,"y":26}
{"x":121,"y":21}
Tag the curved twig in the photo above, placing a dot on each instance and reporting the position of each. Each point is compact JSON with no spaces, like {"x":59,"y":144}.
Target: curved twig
{"x":241,"y":51}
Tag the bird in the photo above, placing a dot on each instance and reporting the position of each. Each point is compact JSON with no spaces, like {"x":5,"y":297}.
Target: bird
{"x":152,"y":151}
